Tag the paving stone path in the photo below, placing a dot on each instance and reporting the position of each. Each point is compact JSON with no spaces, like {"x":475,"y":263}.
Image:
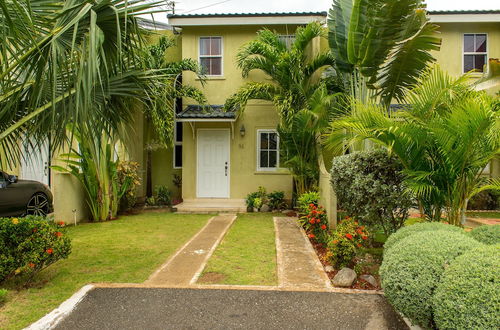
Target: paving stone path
{"x":298,"y":265}
{"x":184,"y":267}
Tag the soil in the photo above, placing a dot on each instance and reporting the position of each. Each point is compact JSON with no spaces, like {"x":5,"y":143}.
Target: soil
{"x":321,"y":251}
{"x":211,"y":278}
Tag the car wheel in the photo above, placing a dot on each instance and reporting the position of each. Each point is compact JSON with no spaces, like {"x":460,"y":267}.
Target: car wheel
{"x":38,"y":205}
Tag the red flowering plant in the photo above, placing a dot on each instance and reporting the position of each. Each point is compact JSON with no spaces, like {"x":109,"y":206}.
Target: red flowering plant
{"x":345,"y":242}
{"x":315,"y":223}
{"x":30,"y":244}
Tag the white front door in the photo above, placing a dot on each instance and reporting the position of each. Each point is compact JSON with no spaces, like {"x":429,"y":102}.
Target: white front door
{"x":213,"y":163}
{"x":35,"y":163}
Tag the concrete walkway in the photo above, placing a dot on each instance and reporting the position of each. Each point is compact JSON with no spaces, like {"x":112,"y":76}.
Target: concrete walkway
{"x":185,"y":266}
{"x":175,"y":308}
{"x":298,"y":265}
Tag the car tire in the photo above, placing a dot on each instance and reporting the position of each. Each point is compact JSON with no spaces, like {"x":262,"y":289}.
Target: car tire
{"x":38,"y":205}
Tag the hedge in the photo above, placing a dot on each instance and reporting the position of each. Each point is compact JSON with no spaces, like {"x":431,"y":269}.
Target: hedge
{"x":411,"y":270}
{"x":468,"y":295}
{"x":487,"y":234}
{"x":417,"y":228}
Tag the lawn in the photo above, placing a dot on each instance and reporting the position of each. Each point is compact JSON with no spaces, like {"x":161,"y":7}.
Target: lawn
{"x":125,"y":250}
{"x":247,"y":254}
{"x":492,"y":214}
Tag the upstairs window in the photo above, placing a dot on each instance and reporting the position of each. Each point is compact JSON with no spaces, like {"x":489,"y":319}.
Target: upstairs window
{"x":211,"y":55}
{"x":475,"y":52}
{"x":267,"y":150}
{"x":287,"y":39}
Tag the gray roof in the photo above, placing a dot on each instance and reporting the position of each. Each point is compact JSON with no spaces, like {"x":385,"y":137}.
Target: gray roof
{"x":462,"y":12}
{"x":206,"y":112}
{"x":319,"y":13}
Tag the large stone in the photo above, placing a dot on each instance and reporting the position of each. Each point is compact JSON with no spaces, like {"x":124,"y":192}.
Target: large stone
{"x":370,"y":279}
{"x":344,"y":278}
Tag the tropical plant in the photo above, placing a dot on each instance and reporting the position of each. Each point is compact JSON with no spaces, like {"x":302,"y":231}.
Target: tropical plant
{"x":369,"y":186}
{"x":74,"y":61}
{"x":276,"y":200}
{"x":95,"y":164}
{"x":381,"y":47}
{"x":444,"y":139}
{"x":306,"y":199}
{"x":163,"y":196}
{"x":128,"y":176}
{"x":160,"y":109}
{"x":315,"y":223}
{"x":298,"y":92}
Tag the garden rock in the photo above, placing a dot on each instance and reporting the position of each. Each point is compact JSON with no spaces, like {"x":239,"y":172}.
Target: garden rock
{"x":329,"y":269}
{"x":370,"y":279}
{"x":344,"y":278}
{"x":265,"y":208}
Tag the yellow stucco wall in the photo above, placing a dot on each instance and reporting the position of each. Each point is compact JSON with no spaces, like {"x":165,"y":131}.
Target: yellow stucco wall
{"x":450,"y":57}
{"x":244,"y":177}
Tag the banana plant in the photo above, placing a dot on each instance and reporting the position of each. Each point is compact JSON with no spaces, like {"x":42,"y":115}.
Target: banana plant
{"x":381,"y":47}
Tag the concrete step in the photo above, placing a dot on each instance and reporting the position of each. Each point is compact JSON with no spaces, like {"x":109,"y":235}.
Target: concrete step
{"x":211,"y":205}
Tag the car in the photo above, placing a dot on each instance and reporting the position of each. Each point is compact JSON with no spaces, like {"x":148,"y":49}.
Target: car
{"x":23,"y":197}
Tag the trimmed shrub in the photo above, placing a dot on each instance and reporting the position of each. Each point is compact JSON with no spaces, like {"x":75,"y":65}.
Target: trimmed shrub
{"x":468,"y":295}
{"x":310,"y":197}
{"x":417,"y":228}
{"x":412,"y":269}
{"x":370,"y":187}
{"x":30,"y":244}
{"x":487,"y":234}
{"x":345,"y":242}
{"x":485,"y":200}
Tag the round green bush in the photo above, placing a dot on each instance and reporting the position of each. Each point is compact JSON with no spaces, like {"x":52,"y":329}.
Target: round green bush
{"x":417,"y":228}
{"x":487,"y":234}
{"x":412,"y":268}
{"x":468,"y":295}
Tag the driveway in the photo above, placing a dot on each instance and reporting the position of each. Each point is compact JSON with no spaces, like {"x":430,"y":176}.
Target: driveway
{"x":175,"y":308}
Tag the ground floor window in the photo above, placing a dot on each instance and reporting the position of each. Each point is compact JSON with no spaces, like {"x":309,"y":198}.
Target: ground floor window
{"x":178,"y":145}
{"x":267,"y":150}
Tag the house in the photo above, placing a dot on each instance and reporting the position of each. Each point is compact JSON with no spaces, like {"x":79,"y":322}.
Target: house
{"x":220,"y":157}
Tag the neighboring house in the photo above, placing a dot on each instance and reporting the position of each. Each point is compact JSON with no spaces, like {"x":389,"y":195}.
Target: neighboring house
{"x":221,"y":158}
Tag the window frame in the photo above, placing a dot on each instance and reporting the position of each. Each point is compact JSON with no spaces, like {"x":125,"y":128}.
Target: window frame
{"x":213,"y":56}
{"x":475,"y":53}
{"x":176,"y":143}
{"x":288,"y":37}
{"x":268,"y":169}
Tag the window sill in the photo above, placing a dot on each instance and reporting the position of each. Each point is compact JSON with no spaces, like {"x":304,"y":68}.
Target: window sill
{"x":212,"y":78}
{"x":277,"y":172}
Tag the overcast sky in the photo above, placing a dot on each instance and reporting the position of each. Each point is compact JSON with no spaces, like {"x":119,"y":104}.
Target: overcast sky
{"x":259,"y":6}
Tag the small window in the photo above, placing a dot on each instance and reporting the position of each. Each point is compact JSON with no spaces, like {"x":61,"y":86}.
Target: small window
{"x":267,"y":150}
{"x":475,"y":52}
{"x":287,"y":39}
{"x":211,"y":55}
{"x":178,"y":145}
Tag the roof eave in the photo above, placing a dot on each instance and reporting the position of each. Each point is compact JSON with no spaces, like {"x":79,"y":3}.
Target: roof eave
{"x":246,"y":19}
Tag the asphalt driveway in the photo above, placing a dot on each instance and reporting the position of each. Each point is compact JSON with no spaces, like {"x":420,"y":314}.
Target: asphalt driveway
{"x":153,"y":308}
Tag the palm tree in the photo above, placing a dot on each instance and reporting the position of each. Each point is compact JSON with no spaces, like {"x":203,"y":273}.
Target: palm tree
{"x":160,"y":109}
{"x":444,"y":138}
{"x":297,"y":90}
{"x":74,"y":61}
{"x":381,"y":47}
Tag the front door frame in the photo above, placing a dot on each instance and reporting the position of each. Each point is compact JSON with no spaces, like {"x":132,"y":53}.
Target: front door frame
{"x":228,"y":156}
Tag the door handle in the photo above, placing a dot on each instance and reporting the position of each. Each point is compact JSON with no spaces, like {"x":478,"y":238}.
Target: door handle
{"x":225,"y":168}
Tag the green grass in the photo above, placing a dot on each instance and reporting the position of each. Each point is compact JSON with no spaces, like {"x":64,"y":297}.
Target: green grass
{"x":126,"y":250}
{"x":493,"y":214}
{"x":247,"y":254}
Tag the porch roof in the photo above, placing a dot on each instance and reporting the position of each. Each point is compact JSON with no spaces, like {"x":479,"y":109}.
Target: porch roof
{"x":206,"y":113}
